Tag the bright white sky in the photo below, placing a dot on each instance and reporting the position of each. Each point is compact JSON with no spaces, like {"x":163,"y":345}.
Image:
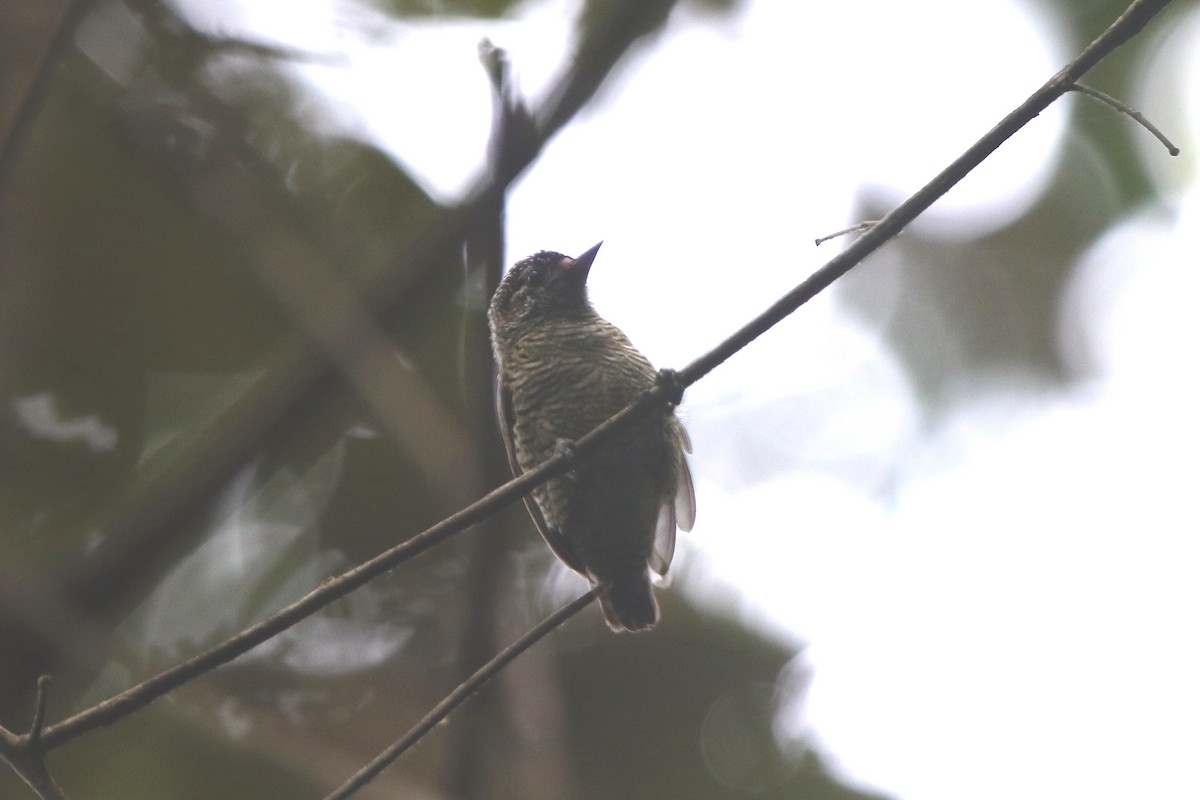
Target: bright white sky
{"x":1019,"y":619}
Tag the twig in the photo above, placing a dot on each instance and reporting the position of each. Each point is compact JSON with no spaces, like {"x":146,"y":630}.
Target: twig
{"x":37,"y":778}
{"x":1121,"y":108}
{"x":39,"y":711}
{"x":860,"y":227}
{"x":461,"y":693}
{"x":27,"y":754}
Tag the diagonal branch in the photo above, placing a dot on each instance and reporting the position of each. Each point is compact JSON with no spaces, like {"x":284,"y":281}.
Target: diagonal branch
{"x":113,"y":709}
{"x":141,"y":695}
{"x":461,"y":693}
{"x":1126,"y":26}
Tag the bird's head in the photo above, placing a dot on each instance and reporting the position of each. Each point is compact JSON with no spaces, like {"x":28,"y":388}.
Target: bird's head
{"x":546,"y":285}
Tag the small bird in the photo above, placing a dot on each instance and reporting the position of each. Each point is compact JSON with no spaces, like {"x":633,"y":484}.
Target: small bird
{"x":563,"y":370}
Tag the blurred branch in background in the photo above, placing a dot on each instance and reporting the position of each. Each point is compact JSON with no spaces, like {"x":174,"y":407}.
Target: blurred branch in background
{"x":488,"y":571}
{"x":17,"y":131}
{"x":297,"y":376}
{"x":228,"y":182}
{"x":202,"y":147}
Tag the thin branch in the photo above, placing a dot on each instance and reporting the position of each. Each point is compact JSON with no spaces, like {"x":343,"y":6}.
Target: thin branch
{"x":859,"y":228}
{"x":108,"y":711}
{"x":39,"y":711}
{"x":461,"y":693}
{"x":27,"y":754}
{"x":37,"y":777}
{"x":331,"y":589}
{"x":1121,"y":108}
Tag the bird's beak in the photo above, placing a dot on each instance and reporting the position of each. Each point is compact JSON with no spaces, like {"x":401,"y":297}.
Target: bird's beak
{"x":583,"y":262}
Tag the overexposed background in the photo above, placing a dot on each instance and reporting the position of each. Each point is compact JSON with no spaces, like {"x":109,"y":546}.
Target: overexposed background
{"x":1007,"y":592}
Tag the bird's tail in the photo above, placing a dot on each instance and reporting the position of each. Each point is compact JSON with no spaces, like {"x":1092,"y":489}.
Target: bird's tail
{"x":629,"y":605}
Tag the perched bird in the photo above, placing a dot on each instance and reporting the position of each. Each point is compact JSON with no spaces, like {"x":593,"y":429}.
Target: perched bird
{"x":563,"y":370}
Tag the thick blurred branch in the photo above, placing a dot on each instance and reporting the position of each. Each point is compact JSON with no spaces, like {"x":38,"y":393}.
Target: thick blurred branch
{"x":43,"y":81}
{"x":488,"y":570}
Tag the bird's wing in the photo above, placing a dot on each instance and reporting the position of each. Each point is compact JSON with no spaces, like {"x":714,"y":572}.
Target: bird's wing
{"x":558,"y":543}
{"x":664,"y":540}
{"x":685,"y":492}
{"x":678,"y":511}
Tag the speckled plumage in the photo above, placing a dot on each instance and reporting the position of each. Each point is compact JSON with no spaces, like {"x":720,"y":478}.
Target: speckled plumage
{"x":563,"y":370}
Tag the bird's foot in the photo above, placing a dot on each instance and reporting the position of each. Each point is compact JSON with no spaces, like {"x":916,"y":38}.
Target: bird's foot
{"x":566,"y":449}
{"x":669,"y":380}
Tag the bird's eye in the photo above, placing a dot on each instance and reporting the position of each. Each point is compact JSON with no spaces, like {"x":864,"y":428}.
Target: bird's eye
{"x":535,"y":276}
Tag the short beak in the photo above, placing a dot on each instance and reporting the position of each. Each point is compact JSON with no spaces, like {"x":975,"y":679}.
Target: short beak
{"x":583,"y":262}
